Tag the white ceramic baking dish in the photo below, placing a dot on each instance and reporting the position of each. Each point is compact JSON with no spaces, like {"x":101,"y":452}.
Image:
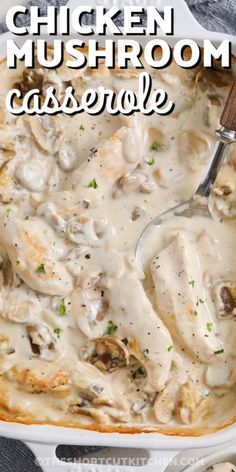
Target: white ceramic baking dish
{"x":44,"y":439}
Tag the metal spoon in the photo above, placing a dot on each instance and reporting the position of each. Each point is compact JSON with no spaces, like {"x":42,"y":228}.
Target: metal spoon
{"x":198,"y":204}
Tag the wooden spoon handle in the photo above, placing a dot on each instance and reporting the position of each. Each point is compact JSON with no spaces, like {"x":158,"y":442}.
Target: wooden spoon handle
{"x":228,"y":117}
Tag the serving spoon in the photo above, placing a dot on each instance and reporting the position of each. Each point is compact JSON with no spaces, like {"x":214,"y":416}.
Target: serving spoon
{"x":198,"y":204}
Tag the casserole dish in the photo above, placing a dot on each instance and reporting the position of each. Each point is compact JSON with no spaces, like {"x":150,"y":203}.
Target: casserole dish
{"x":55,"y":435}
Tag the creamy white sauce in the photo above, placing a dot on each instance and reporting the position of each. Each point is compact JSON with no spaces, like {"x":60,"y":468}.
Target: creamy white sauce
{"x":86,"y":334}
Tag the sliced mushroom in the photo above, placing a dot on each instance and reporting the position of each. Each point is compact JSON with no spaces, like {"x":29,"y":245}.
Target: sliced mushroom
{"x":224,"y":193}
{"x":107,"y":353}
{"x":67,"y":156}
{"x":193,"y":405}
{"x":49,"y":212}
{"x":165,"y":179}
{"x":136,"y":181}
{"x":96,"y":413}
{"x":165,"y":403}
{"x":225,"y":299}
{"x":225,"y":183}
{"x":193,"y":148}
{"x":31,"y":79}
{"x":43,"y":341}
{"x":211,"y":78}
{"x":89,"y":232}
{"x":32,"y":174}
{"x":45,"y":132}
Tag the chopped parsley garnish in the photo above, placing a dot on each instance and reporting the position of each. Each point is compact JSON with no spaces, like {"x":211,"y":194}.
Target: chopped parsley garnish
{"x":62,"y":308}
{"x":221,"y":351}
{"x":26,"y":217}
{"x":82,"y":127}
{"x":57,"y":331}
{"x":199,"y":301}
{"x":111,"y":327}
{"x":41,"y":269}
{"x":169,"y":348}
{"x":195,"y":313}
{"x":151,"y":162}
{"x":192,"y":282}
{"x":155,"y":146}
{"x":93,"y":184}
{"x":209,"y":327}
{"x":17,"y":262}
{"x":138,"y":372}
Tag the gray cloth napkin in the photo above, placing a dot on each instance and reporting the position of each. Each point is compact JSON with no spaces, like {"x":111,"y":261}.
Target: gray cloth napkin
{"x":215,"y":15}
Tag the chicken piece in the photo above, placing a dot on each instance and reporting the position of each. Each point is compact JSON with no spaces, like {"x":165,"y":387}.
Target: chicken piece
{"x":10,"y":190}
{"x":95,"y":178}
{"x":18,"y":302}
{"x":131,"y":311}
{"x":180,"y":303}
{"x":38,"y":377}
{"x":97,"y":175}
{"x":34,"y":257}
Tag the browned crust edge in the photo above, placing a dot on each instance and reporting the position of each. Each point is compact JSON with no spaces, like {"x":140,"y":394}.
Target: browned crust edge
{"x":102,"y":428}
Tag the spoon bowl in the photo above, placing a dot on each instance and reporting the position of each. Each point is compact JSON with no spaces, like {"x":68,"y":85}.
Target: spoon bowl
{"x":198,"y":204}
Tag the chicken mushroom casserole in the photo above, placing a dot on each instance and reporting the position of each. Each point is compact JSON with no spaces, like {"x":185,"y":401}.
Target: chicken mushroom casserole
{"x":87,"y":337}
